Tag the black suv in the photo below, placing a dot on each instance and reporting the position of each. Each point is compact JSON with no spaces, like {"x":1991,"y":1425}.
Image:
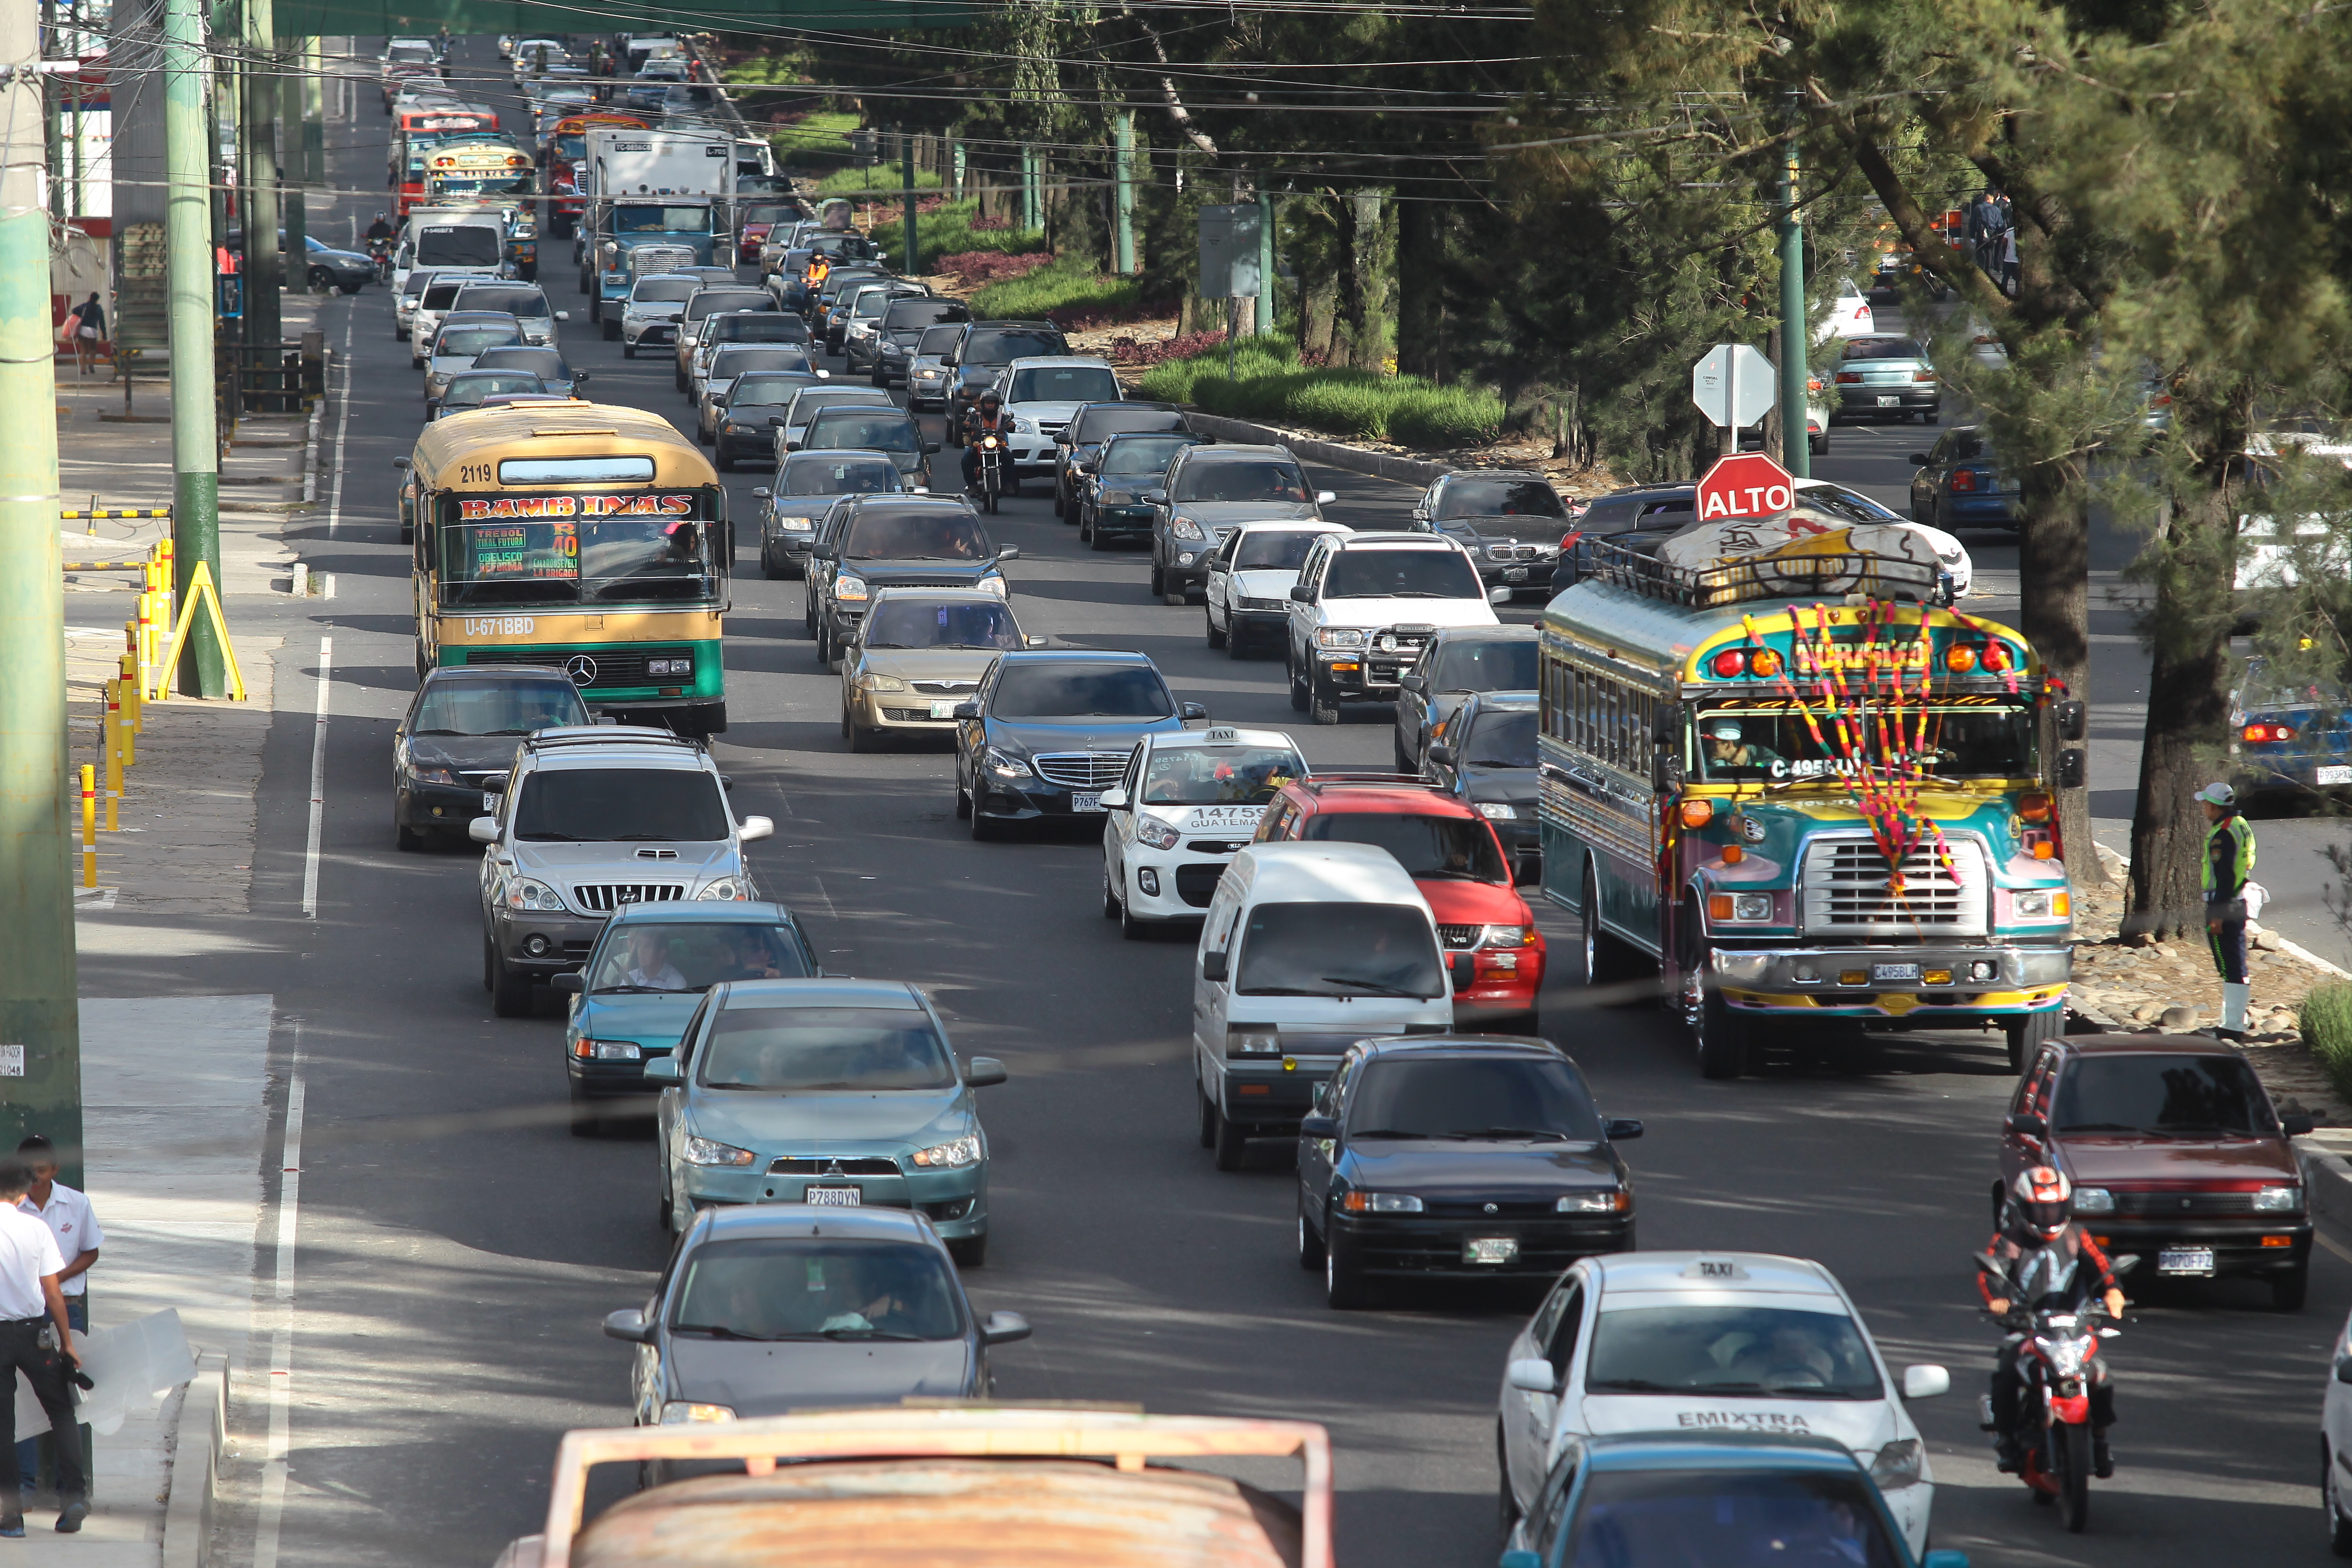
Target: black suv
{"x":901,"y":330}
{"x":1078,"y":443}
{"x":1458,"y":661}
{"x":987,"y":348}
{"x":459,"y":735}
{"x":872,"y":542}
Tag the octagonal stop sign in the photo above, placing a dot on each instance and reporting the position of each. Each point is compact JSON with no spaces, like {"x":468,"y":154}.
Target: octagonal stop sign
{"x":1747,"y":485}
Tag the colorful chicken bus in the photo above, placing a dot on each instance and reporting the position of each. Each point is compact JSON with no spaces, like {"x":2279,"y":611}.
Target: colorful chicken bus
{"x":422,"y":129}
{"x":1798,"y":791}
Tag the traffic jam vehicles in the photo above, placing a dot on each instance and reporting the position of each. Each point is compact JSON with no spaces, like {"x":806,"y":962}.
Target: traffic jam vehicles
{"x":562,"y":162}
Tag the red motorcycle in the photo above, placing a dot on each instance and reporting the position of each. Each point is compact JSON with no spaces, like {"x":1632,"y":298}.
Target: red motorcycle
{"x":2057,"y":1351}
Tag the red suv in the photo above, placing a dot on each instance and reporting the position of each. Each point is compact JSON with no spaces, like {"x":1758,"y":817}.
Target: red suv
{"x":2175,"y":1152}
{"x":1453,"y":857}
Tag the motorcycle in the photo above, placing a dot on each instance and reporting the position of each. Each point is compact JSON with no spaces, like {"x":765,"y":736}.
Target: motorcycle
{"x":2055,"y":1353}
{"x":380,"y":252}
{"x":991,"y":476}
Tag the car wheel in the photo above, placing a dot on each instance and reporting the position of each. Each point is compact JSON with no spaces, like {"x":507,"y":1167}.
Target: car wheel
{"x":1720,"y":1031}
{"x":1130,"y":928}
{"x":824,"y":649}
{"x":1396,"y":746}
{"x":963,"y":800}
{"x":1111,"y":910}
{"x":406,"y":838}
{"x":1061,"y":503}
{"x":509,"y":991}
{"x":1343,"y":1279}
{"x":702,"y":436}
{"x":1159,"y":582}
{"x":1311,"y":1246}
{"x":861,"y":738}
{"x":489,"y":975}
{"x":2288,"y":1289}
{"x":1322,"y":706}
{"x":1208,"y":1116}
{"x":1231,"y":1143}
{"x":1819,"y":445}
{"x":1507,"y":1505}
{"x":351,"y":288}
{"x":984,"y":828}
{"x":2024,"y":1035}
{"x":767,"y":567}
{"x":321,"y":279}
{"x":1209,"y":621}
{"x":628,"y":351}
{"x":1297,"y":686}
{"x":587,"y":1120}
{"x":971,"y":1251}
{"x":1095,"y":539}
{"x":2331,"y":1487}
{"x":1237,"y":646}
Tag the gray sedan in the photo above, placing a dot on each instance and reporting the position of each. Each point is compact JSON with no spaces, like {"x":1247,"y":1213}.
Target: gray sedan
{"x":804,"y":489}
{"x":548,"y":365}
{"x":1885,"y":377}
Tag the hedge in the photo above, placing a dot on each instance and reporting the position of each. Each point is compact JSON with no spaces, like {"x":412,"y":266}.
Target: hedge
{"x":1064,"y":290}
{"x":2326,"y":1019}
{"x":1269,"y":384}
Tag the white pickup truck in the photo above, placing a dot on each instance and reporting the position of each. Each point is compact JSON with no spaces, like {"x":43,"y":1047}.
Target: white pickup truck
{"x":1365,"y":606}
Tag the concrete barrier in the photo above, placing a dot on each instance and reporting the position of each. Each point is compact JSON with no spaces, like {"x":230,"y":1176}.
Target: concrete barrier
{"x":200,"y":1441}
{"x":1330,"y":454}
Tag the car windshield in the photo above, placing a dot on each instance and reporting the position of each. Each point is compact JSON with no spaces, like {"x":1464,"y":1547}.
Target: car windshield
{"x":466,"y":389}
{"x":493,"y":707}
{"x":1503,"y":741}
{"x":2185,"y":1095}
{"x":464,"y":342}
{"x":633,"y":219}
{"x":1726,"y":1349}
{"x":1245,"y":480}
{"x":572,"y":146}
{"x":1053,"y":689}
{"x":770,"y":212}
{"x":1446,"y":848}
{"x":1500,"y":498}
{"x":513,"y":301}
{"x":1103,"y":421}
{"x":616,"y":806}
{"x":1812,"y":1519}
{"x":1484,"y":664}
{"x":1881,"y":348}
{"x":939,"y":340}
{"x":676,"y":955}
{"x":812,"y":1288}
{"x":2266,"y":688}
{"x":751,"y":389}
{"x":941,"y":534}
{"x":662,"y":290}
{"x":1064,"y":384}
{"x":869,"y":303}
{"x":1842,"y":505}
{"x":884,"y":432}
{"x":912,"y":315}
{"x":1002,"y":345}
{"x":1139,"y":456}
{"x":1472,"y":1097}
{"x":911,"y":623}
{"x":1218,"y":775}
{"x":459,"y":244}
{"x":805,"y":1049}
{"x":1401,"y":575}
{"x":542,"y":363}
{"x":837,"y":476}
{"x":820,"y":398}
{"x":1785,"y":739}
{"x":1338,"y":950}
{"x":1273,"y":549}
{"x":730,"y":299}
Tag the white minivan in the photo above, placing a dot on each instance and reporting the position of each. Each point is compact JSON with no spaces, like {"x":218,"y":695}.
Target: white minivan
{"x":1307,"y":949}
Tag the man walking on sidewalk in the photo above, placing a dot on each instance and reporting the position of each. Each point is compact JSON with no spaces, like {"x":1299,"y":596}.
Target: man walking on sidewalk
{"x":68,"y":1214}
{"x":31,"y":1304}
{"x":2228,"y":863}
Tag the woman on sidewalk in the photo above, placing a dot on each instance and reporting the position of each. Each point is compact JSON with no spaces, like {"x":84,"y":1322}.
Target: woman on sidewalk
{"x":87,"y":324}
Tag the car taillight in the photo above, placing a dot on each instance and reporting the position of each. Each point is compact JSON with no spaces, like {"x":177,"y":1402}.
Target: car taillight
{"x":1846,"y":377}
{"x":2262,"y":733}
{"x":1963,"y":480}
{"x":2034,"y":807}
{"x":1922,"y":375}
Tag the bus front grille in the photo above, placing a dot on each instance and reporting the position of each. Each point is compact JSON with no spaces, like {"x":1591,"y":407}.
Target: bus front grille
{"x":1847,"y":890}
{"x":606,"y":668}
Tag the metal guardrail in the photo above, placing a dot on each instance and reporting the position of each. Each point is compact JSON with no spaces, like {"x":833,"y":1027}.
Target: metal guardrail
{"x":1780,"y":577}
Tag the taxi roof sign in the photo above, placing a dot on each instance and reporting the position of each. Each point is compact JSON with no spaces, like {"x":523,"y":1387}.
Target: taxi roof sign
{"x":1715,"y":1269}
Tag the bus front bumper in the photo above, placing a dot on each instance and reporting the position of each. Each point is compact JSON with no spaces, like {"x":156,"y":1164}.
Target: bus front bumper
{"x":1952,"y":982}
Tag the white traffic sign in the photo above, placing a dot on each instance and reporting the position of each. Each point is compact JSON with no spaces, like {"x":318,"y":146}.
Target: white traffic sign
{"x":1734,"y":379}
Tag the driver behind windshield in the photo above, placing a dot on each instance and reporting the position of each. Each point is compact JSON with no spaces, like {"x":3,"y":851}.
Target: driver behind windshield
{"x":649,"y":964}
{"x":1726,"y":747}
{"x":1185,"y":776}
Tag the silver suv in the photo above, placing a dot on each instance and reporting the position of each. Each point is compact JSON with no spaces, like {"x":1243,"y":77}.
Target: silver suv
{"x":592,"y":820}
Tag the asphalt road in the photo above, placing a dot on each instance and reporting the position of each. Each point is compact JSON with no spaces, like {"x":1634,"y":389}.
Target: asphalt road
{"x":458,"y":1247}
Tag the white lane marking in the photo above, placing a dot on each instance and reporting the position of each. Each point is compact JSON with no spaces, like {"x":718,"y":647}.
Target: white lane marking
{"x":343,"y":424}
{"x":281,"y":1350}
{"x":318,"y":780}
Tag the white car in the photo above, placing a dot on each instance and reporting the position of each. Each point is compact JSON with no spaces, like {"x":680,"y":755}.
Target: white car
{"x":1850,"y":315}
{"x":1363,"y":608}
{"x":1698,"y":1341}
{"x":649,"y":316}
{"x":1247,"y":599}
{"x":1043,"y":394}
{"x":2336,"y":1444}
{"x":1187,"y":803}
{"x":1852,"y":506}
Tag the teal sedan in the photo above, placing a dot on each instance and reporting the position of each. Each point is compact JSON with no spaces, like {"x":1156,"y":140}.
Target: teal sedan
{"x":648,"y":973}
{"x":832,"y":1092}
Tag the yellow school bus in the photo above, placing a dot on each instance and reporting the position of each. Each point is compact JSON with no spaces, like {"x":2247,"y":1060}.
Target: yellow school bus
{"x":583,"y":536}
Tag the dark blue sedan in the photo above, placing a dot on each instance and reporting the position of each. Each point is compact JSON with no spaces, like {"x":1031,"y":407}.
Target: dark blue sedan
{"x":2290,"y":739}
{"x":1049,"y":731}
{"x":1959,"y":484}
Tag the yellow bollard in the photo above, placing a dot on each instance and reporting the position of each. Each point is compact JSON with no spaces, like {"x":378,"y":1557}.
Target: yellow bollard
{"x":129,"y":697}
{"x":88,"y":826}
{"x":147,"y":641}
{"x":113,"y":753}
{"x":134,"y":698}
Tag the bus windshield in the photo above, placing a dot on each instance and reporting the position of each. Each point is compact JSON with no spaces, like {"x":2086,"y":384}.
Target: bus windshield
{"x":517,"y":560}
{"x":661,"y":220}
{"x":491,"y":185}
{"x":1769,"y":741}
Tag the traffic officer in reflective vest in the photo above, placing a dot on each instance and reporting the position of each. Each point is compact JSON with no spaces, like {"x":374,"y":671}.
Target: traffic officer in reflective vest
{"x":2229,"y":863}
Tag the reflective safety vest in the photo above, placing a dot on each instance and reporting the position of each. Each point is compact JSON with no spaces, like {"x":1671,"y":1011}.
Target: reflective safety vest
{"x":2233,"y":860}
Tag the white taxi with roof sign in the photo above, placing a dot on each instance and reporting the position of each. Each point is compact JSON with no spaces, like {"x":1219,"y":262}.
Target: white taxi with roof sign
{"x":1701,"y":1341}
{"x":1187,"y":803}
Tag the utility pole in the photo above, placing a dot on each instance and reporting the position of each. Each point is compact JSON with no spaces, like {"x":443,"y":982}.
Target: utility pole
{"x":1123,"y":172}
{"x":296,"y":174}
{"x":40,"y":1024}
{"x":1265,"y":261}
{"x":955,"y":150}
{"x":188,"y":254}
{"x":1796,"y":449}
{"x":264,"y":270}
{"x":314,"y":123}
{"x":907,"y":184}
{"x":53,"y":118}
{"x":1032,"y":218}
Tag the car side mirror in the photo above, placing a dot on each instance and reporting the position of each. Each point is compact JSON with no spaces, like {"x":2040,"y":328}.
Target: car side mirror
{"x":1919,"y":458}
{"x":581,"y":378}
{"x":792,"y":446}
{"x":1412,"y":680}
{"x":1003,"y":1329}
{"x":1009,"y":551}
{"x":982,"y":1071}
{"x":761,"y":492}
{"x":2344,"y":1369}
{"x":1517,"y":1558}
{"x":629,"y":1323}
{"x":1464,"y":969}
{"x":400,"y":463}
{"x":1319,"y":1127}
{"x":1499,"y":596}
{"x":563,"y":315}
{"x":1621,"y":1129}
{"x":1301,"y":593}
{"x":1926,"y":1381}
{"x":2024,"y":1124}
{"x":754,"y":829}
{"x":1532,"y":1374}
{"x":1212,"y":966}
{"x":664,"y":1070}
{"x":1151,"y":498}
{"x":571,"y":983}
{"x":1188,"y":711}
{"x":2073,"y":768}
{"x":1441,"y":754}
{"x":1324,"y":498}
{"x":1035,"y":642}
{"x":2074,"y":720}
{"x":967,"y":710}
{"x":929,"y":448}
{"x":2294,"y":1126}
{"x":1112,"y":799}
{"x":483,"y":830}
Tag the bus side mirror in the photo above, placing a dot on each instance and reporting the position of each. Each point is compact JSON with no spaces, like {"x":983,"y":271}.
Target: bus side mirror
{"x":2072,"y":770}
{"x":2073,"y":720}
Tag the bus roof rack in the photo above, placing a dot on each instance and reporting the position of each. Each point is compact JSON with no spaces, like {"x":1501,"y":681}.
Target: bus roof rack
{"x":1831,"y":575}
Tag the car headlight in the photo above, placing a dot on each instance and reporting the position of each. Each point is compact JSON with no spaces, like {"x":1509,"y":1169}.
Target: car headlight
{"x":523,"y":893}
{"x":952,"y":1156}
{"x":1510,"y":936}
{"x":1185,"y":528}
{"x":1339,"y":637}
{"x":1156,"y":832}
{"x":1617,"y":1202}
{"x":1899,"y":1464}
{"x":701,"y":1150}
{"x":795,"y":524}
{"x":687,"y":1412}
{"x":2041,"y":904}
{"x":872,"y":682}
{"x":735,"y":429}
{"x":2094,"y":1200}
{"x":727,"y":888}
{"x":669,"y":667}
{"x":606,"y":1051}
{"x":1254,"y":1042}
{"x":894,"y":350}
{"x":996,"y":586}
{"x":847,"y":587}
{"x":1005,"y":764}
{"x":2278,"y":1200}
{"x":1497,"y":811}
{"x":1024,"y":425}
{"x":1380,"y":1203}
{"x":431,"y":775}
{"x":1740,"y":907}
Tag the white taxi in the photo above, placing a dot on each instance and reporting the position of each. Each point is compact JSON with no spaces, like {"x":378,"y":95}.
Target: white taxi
{"x":1187,"y":803}
{"x":1710,"y":1342}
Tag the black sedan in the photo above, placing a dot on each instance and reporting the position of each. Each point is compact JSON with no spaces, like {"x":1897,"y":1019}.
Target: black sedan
{"x":1081,"y":441}
{"x":771,"y":1307}
{"x":1049,"y":731}
{"x":1487,"y":760}
{"x":1111,"y":505}
{"x":460,"y":733}
{"x":1464,"y":1157}
{"x":327,"y":268}
{"x":1458,"y":661}
{"x":872,"y":542}
{"x":1509,"y":522}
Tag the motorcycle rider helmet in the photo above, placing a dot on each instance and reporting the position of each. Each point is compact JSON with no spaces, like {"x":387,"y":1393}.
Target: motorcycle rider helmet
{"x":2045,"y":1200}
{"x":989,"y":402}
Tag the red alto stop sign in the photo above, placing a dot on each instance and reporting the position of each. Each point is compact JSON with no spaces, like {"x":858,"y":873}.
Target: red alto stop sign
{"x":1747,"y":485}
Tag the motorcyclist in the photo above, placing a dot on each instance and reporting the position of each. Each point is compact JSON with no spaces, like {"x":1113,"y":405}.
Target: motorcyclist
{"x":2048,"y":1263}
{"x":988,"y":419}
{"x":382,"y":227}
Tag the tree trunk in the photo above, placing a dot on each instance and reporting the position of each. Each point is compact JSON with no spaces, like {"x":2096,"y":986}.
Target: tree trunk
{"x":1348,"y":270}
{"x":2054,"y":559}
{"x":1420,"y":329}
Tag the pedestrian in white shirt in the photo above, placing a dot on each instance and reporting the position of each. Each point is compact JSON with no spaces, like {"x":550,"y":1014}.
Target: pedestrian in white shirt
{"x":30,"y":1304}
{"x":68,"y":1214}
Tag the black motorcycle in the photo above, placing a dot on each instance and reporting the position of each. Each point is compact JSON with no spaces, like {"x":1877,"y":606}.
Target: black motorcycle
{"x":989,"y":477}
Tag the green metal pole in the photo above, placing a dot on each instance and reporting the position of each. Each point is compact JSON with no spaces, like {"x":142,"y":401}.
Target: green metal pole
{"x":1796,"y":449}
{"x":1123,"y":172}
{"x":297,"y":216}
{"x":188,"y":132}
{"x":53,"y":118}
{"x":1265,"y":262}
{"x":314,"y":119}
{"x":264,"y":272}
{"x":906,"y":183}
{"x":958,"y":149}
{"x":1031,"y":217}
{"x":40,"y":1025}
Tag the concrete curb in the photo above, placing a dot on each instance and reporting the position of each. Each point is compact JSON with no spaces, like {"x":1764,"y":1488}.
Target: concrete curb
{"x":1330,"y":454}
{"x":311,"y":447}
{"x":200,"y":1439}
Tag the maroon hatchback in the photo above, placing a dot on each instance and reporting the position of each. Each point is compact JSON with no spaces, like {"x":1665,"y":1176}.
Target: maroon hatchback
{"x":2175,"y":1154}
